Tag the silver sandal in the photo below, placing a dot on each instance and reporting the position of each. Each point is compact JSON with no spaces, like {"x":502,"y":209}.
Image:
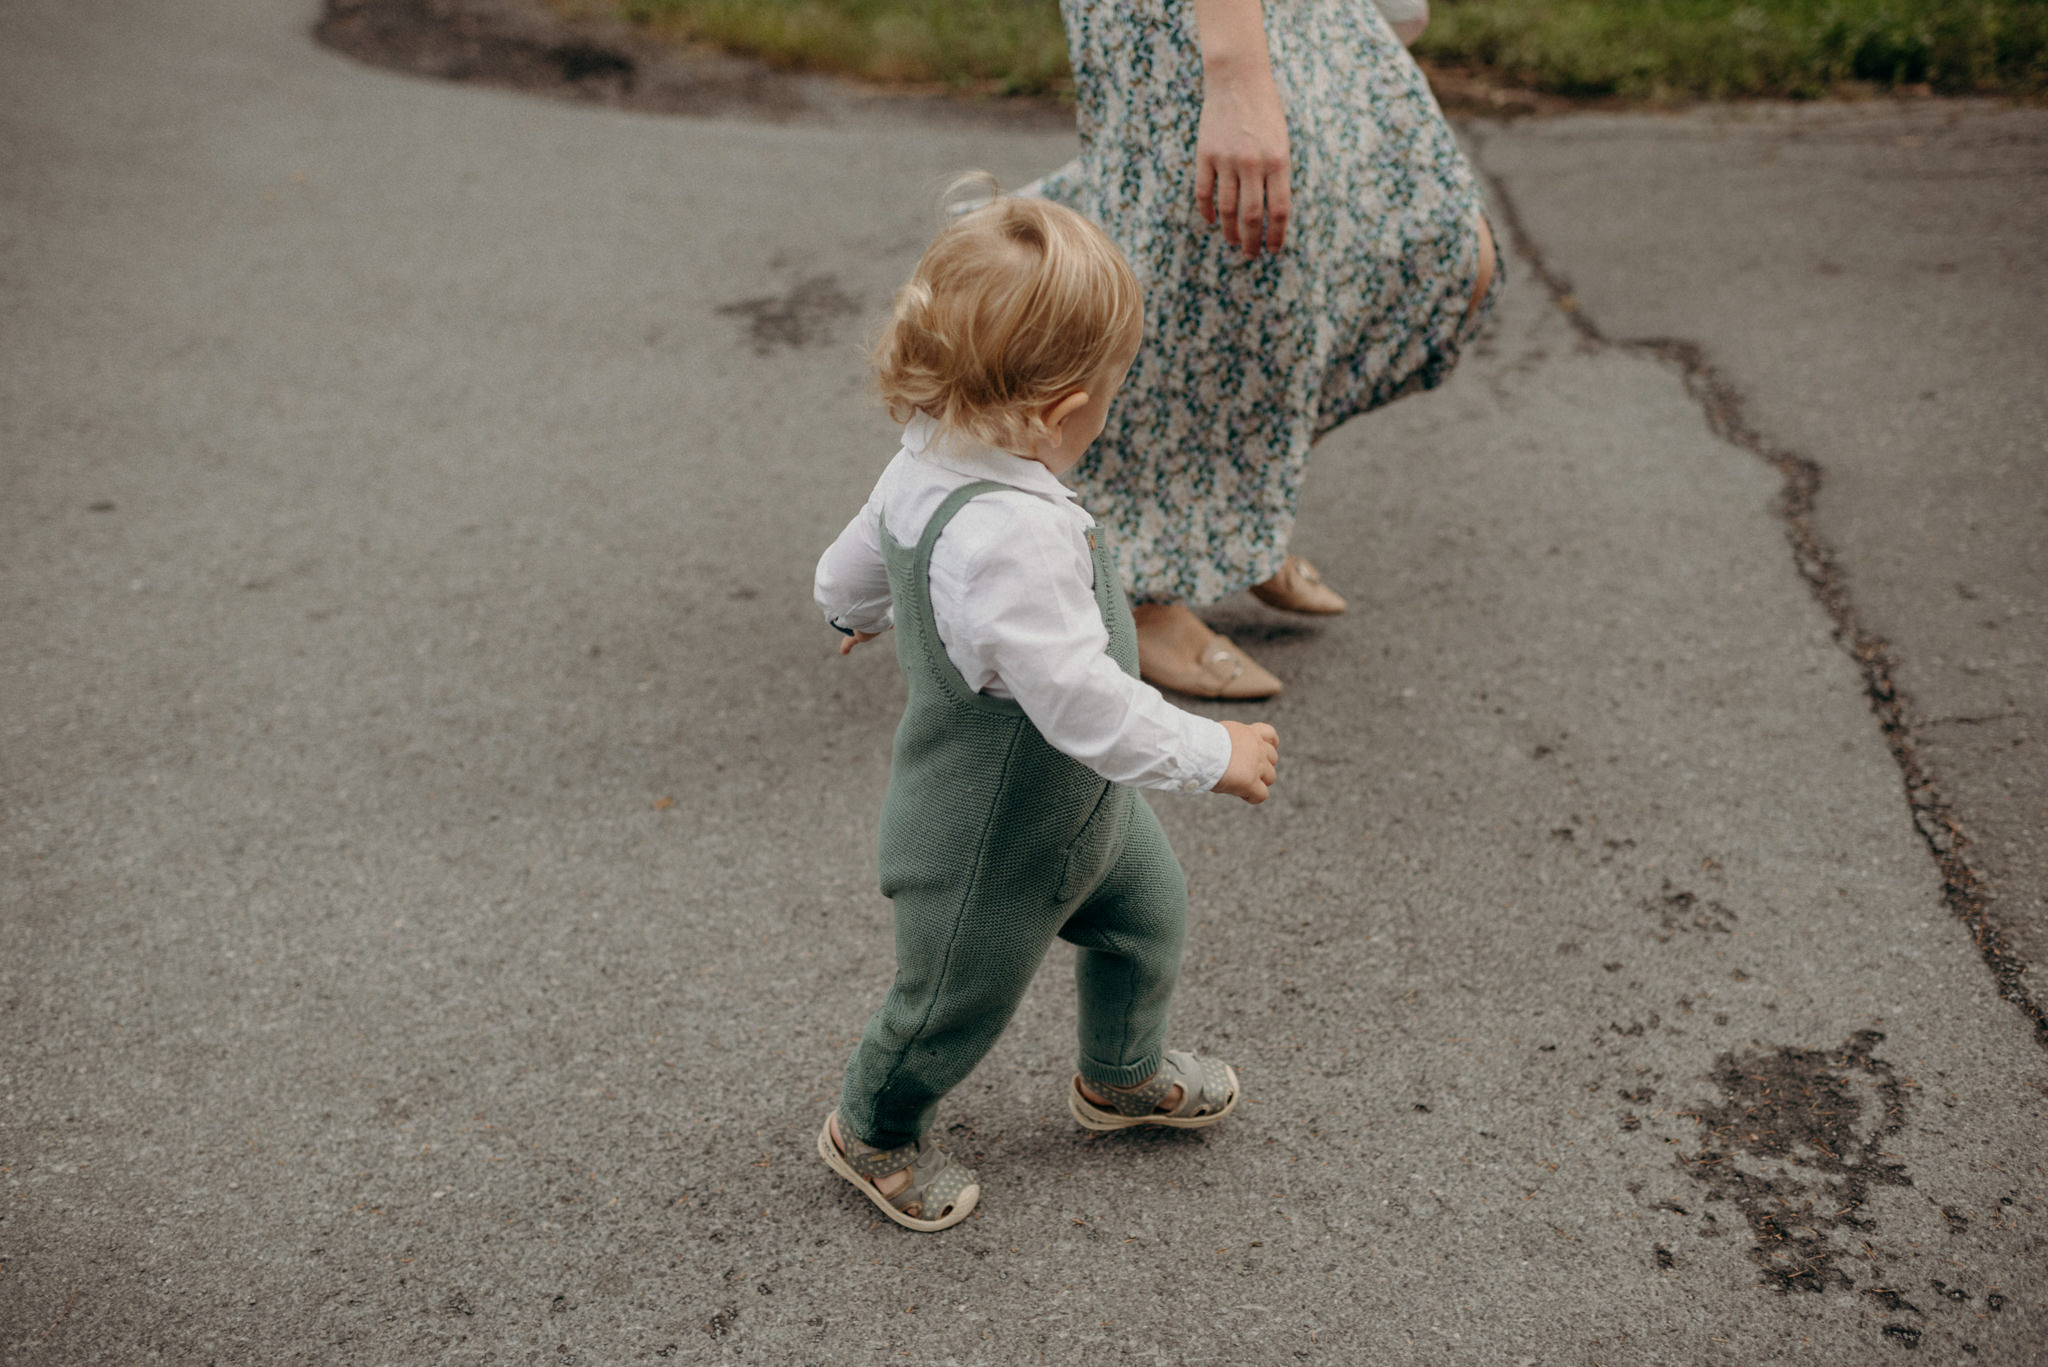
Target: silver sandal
{"x":1209,"y":1091}
{"x":938,"y":1181}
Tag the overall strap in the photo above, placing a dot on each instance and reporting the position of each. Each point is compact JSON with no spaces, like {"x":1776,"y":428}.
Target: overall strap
{"x":955,"y":501}
{"x":1112,"y":603}
{"x":930,"y":653}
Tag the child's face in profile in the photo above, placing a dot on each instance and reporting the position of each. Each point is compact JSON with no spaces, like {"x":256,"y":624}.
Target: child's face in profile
{"x":1078,"y":428}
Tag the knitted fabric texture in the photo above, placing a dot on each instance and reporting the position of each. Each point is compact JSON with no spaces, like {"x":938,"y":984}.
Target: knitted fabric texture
{"x":993,"y":843}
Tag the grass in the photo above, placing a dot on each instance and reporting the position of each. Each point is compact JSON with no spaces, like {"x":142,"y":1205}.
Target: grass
{"x":1656,"y":50}
{"x":1681,"y":49}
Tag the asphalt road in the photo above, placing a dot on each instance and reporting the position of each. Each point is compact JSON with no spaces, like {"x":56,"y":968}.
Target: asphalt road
{"x":1861,"y":282}
{"x":437,"y":831}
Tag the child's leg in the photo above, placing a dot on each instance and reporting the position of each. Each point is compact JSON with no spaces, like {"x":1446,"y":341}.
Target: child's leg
{"x":960,"y":972}
{"x":1129,"y":933}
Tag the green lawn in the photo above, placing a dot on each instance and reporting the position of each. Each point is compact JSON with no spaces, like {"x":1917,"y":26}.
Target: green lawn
{"x":1643,"y":49}
{"x":1678,"y":49}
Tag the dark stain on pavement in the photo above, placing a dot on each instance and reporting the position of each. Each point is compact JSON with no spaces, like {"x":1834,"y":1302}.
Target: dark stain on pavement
{"x":581,"y":61}
{"x":804,"y":316}
{"x":527,"y":46}
{"x":1679,"y":912}
{"x":1797,"y":1143}
{"x":595,"y":55}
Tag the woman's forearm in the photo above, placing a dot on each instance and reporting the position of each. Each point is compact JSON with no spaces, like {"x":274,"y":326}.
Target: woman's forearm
{"x":1232,"y":34}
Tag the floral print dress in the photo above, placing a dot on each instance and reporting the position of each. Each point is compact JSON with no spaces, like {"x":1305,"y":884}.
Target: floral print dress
{"x":1246,"y":363}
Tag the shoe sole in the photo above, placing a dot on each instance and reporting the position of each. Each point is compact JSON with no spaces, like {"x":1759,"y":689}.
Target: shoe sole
{"x":1256,"y":695}
{"x":1089,"y":1116}
{"x":1279,"y":604}
{"x":836,"y":1161}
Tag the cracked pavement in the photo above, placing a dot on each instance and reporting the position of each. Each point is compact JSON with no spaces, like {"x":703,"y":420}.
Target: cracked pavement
{"x":1859,"y":282}
{"x":437,"y":833}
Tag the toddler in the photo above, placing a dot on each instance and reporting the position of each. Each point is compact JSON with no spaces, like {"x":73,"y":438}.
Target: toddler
{"x":1011,"y":816}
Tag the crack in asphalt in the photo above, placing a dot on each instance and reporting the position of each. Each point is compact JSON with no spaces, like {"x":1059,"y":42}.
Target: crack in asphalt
{"x":1721,"y":404}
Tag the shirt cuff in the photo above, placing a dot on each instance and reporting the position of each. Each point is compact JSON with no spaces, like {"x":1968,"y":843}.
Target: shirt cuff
{"x":875,"y":628}
{"x":1208,"y":756}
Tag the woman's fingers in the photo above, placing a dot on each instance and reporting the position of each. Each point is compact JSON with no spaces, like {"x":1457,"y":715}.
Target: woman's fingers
{"x":1279,"y":208}
{"x":1228,"y":191}
{"x":1251,"y":213}
{"x":1252,"y":207}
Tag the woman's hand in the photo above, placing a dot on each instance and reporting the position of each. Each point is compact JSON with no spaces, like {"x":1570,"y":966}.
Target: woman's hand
{"x":1241,"y":153}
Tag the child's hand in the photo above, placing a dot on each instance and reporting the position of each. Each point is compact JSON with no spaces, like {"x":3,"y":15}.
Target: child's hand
{"x":1254,"y":760}
{"x":847,"y":643}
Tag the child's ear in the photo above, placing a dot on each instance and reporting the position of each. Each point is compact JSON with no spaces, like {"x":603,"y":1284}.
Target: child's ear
{"x":1057,"y":413}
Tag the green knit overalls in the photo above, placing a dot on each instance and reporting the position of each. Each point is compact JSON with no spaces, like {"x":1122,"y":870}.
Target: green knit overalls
{"x":992,"y":843}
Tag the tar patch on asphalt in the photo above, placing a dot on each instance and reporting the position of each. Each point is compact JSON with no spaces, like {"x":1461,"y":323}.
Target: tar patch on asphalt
{"x":1797,"y":1143}
{"x":803,"y":316}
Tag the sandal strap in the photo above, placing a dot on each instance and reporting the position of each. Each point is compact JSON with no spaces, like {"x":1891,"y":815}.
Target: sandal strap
{"x":937,"y":1179}
{"x":932,"y":1193}
{"x":1208,"y":1087}
{"x":1205,"y":1082}
{"x":872,"y":1163}
{"x":1142,"y":1099}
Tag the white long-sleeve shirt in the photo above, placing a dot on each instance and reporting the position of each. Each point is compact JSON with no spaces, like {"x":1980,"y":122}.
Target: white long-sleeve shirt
{"x":1012,"y":590}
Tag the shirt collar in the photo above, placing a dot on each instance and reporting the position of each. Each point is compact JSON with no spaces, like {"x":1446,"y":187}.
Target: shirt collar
{"x":926,"y":440}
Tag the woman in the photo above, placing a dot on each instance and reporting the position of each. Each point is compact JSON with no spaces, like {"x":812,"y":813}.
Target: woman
{"x":1311,"y":244}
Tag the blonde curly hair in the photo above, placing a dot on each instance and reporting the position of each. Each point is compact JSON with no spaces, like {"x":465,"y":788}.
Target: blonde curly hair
{"x":1016,"y":304}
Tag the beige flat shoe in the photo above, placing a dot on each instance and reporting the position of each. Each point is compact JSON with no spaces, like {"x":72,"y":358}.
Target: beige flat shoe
{"x":1299,"y":588}
{"x":1220,"y":670}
